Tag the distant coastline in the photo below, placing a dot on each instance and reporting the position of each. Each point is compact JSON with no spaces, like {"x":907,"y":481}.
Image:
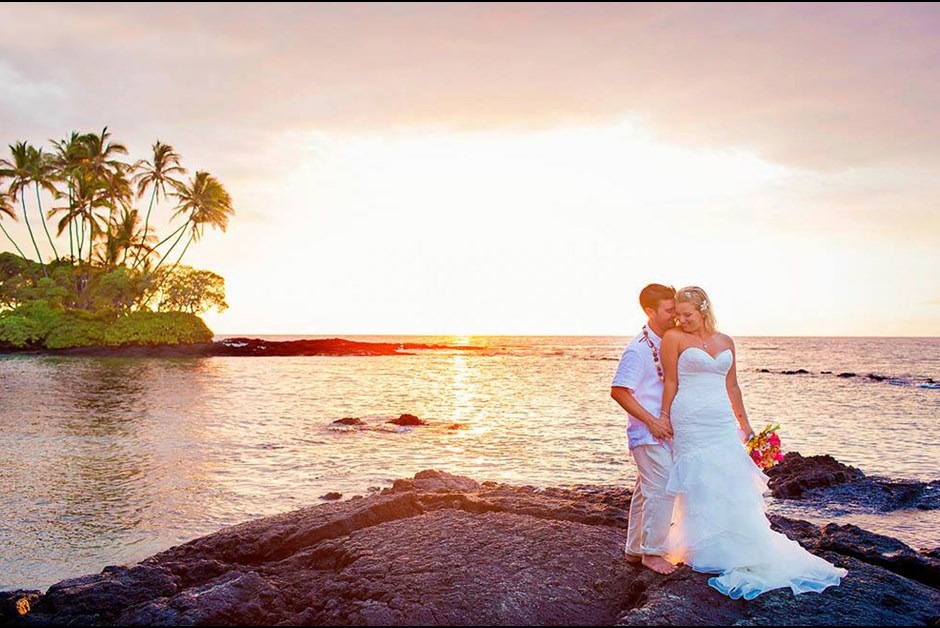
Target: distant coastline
{"x":243,"y":346}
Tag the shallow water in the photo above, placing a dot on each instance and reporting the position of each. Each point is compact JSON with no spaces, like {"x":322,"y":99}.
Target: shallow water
{"x":109,"y":460}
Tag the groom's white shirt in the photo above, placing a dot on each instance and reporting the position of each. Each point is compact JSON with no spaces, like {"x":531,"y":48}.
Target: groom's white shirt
{"x":637,"y":371}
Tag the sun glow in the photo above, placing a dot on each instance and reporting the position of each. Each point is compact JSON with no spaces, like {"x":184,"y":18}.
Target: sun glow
{"x":431,"y":231}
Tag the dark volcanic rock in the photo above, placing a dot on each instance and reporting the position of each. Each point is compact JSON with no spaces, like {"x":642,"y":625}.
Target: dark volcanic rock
{"x":827,"y":482}
{"x":331,"y":495}
{"x":796,"y":372}
{"x":18,"y":602}
{"x":875,"y":494}
{"x":846,"y":375}
{"x":434,"y":481}
{"x":250,"y":347}
{"x":235,"y":598}
{"x":349,"y":421}
{"x":796,"y":474}
{"x":869,"y":547}
{"x":867,"y":596}
{"x":408,"y":419}
{"x":442,"y":549}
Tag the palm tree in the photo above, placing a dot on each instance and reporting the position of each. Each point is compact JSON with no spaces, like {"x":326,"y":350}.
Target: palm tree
{"x":87,"y":194}
{"x":19,"y":169}
{"x":129,"y":235}
{"x":98,"y":154}
{"x":42,"y":174}
{"x":207,"y":202}
{"x":100,"y":160}
{"x":67,"y":162}
{"x":6,"y":208}
{"x":157,"y":173}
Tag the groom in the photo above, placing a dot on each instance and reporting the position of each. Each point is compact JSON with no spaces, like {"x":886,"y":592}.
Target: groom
{"x":638,"y":388}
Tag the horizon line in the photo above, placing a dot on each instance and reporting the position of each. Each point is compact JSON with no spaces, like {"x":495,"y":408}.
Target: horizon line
{"x":332,"y":334}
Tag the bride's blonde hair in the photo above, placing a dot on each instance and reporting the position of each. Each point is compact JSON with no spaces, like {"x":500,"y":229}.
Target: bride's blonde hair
{"x":697,"y":297}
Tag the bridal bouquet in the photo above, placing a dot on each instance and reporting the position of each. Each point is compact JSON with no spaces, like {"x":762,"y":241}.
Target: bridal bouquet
{"x":764,"y":448}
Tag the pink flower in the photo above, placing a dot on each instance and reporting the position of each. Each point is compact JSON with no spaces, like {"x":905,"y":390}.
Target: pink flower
{"x":779,"y":457}
{"x":774,"y":440}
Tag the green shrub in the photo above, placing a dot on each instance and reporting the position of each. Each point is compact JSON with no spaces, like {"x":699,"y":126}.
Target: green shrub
{"x":38,"y":324}
{"x":157,"y":328}
{"x":29,"y":324}
{"x":20,"y":331}
{"x":78,"y":328}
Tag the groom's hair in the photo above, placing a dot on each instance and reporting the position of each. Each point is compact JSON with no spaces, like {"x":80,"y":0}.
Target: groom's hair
{"x":651,"y":295}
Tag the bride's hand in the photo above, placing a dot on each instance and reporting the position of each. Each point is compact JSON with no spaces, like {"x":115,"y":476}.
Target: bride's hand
{"x":746,"y":433}
{"x":668,"y":425}
{"x":749,"y":430}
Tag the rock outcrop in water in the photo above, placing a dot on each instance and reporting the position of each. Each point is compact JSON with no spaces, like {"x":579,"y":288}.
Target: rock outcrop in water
{"x":825,"y":479}
{"x":796,"y":475}
{"x":444,"y":549}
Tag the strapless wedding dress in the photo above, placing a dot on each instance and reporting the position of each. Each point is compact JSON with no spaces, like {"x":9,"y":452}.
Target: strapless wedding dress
{"x":719,"y":523}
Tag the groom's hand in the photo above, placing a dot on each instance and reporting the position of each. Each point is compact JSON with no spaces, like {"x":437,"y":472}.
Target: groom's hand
{"x":660,"y":428}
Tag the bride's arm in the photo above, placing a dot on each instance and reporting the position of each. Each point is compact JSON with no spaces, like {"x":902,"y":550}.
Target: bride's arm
{"x":734,"y":393}
{"x":669,"y":355}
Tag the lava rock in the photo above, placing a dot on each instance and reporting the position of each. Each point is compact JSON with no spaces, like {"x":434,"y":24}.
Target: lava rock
{"x":443,"y":549}
{"x":795,"y":475}
{"x":408,"y":419}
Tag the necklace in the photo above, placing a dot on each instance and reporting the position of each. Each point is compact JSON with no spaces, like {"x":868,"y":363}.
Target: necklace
{"x":659,"y":366}
{"x":705,"y":344}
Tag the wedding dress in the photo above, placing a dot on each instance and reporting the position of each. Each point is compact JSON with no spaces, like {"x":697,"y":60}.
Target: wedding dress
{"x":719,"y":523}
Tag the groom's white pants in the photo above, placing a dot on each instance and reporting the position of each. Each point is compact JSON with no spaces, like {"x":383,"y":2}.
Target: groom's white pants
{"x":651,"y":506}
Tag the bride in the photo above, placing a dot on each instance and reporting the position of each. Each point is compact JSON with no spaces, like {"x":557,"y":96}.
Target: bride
{"x":718,"y":523}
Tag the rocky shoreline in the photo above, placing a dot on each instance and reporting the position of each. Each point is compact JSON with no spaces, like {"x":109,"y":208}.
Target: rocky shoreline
{"x":247,"y":347}
{"x":916,"y":382}
{"x":443,"y":549}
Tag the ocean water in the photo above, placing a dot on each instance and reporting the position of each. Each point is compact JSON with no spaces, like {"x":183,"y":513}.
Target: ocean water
{"x":108,"y":460}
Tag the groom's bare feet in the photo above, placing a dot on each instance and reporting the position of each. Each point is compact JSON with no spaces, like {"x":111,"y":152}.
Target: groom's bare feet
{"x":658,"y":564}
{"x":632,"y":558}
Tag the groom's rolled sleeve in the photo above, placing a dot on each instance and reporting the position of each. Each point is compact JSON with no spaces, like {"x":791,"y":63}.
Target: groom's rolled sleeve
{"x":629,"y":371}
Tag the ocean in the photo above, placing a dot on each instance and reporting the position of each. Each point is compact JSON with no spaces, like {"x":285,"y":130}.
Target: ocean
{"x":109,"y":460}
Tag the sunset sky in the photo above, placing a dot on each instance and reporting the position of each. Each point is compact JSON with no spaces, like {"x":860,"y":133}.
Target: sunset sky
{"x":522,"y":169}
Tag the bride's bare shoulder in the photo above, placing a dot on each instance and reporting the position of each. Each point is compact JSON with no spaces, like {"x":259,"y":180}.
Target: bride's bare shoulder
{"x":673,"y":337}
{"x":673,"y":334}
{"x":728,"y":339}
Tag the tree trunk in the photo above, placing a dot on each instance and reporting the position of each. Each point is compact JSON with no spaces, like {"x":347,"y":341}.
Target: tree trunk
{"x":35,"y":246}
{"x":146,"y":224}
{"x":44,"y":227}
{"x":13,"y":241}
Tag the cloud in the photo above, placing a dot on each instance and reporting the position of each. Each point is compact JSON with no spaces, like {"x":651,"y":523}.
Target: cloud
{"x":815,"y":86}
{"x":28,"y":99}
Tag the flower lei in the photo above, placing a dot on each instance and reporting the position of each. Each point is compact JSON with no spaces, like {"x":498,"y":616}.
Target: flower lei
{"x":659,"y":366}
